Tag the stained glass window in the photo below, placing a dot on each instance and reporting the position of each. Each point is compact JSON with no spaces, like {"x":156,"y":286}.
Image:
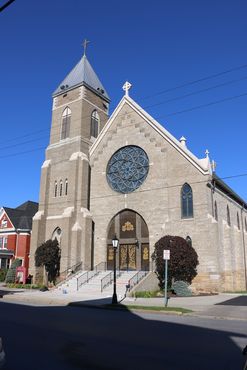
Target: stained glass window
{"x":127,"y":169}
{"x":187,"y":201}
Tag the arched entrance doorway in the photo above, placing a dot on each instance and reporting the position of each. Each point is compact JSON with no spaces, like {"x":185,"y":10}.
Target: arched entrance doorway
{"x":132,"y":232}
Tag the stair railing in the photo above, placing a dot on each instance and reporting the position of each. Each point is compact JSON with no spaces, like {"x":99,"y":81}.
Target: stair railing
{"x":88,"y":275}
{"x":137,"y":278}
{"x":108,"y":279}
{"x":68,"y":273}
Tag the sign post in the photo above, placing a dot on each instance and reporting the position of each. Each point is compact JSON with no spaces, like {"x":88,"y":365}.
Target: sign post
{"x":166,"y":257}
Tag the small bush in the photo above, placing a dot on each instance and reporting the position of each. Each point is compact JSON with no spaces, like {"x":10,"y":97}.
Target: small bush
{"x":11,"y":274}
{"x":3,"y":273}
{"x":181,"y":288}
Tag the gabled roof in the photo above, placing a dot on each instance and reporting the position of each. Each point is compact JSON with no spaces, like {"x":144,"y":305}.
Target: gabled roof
{"x":82,"y":74}
{"x":203,"y":166}
{"x":220,"y":184}
{"x":22,"y":216}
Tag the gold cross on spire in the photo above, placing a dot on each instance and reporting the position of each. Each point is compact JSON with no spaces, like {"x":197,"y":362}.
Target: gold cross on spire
{"x":84,"y":44}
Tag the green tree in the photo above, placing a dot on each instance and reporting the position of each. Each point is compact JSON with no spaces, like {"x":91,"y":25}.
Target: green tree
{"x":183,"y":260}
{"x":48,"y":255}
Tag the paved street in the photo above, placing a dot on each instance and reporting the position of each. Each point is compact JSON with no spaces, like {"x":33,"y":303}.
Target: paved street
{"x":90,"y":338}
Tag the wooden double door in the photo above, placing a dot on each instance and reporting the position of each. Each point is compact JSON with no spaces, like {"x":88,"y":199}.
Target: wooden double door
{"x":127,"y":257}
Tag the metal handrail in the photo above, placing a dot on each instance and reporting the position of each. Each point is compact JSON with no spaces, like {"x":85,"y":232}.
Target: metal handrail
{"x":88,"y":275}
{"x":66,"y":274}
{"x":108,"y":279}
{"x":84,"y":278}
{"x":137,"y":278}
{"x":100,"y":266}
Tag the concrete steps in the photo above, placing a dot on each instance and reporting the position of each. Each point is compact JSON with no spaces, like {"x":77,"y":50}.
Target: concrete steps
{"x":92,"y":288}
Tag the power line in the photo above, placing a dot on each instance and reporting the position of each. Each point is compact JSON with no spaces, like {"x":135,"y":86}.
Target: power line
{"x":155,"y":104}
{"x":6,"y":5}
{"x":205,"y":105}
{"x":196,"y":92}
{"x":162,"y":116}
{"x":197,"y":81}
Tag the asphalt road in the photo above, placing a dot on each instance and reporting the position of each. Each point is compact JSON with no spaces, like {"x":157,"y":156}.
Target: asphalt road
{"x":73,"y":338}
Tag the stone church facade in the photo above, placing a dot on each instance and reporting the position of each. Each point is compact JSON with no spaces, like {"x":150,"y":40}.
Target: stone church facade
{"x":126,"y":175}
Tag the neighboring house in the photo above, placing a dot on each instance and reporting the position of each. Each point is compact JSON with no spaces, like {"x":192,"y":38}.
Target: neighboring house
{"x":15,"y":233}
{"x":127,"y":175}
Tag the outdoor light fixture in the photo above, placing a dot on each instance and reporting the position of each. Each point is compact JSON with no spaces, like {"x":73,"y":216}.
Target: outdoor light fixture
{"x":115,"y":243}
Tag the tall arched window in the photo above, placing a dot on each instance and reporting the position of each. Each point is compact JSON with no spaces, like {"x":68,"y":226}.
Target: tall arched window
{"x":186,"y":201}
{"x":65,"y":123}
{"x":238,"y":221}
{"x":55,"y":189}
{"x":95,"y":121}
{"x":66,"y":187}
{"x":61,"y":188}
{"x":228,"y":216}
{"x":215,"y":211}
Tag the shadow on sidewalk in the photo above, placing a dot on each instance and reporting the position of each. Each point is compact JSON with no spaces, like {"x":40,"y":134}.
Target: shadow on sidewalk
{"x":67,"y":338}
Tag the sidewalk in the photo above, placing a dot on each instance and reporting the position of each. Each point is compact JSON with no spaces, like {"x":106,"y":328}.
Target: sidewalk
{"x":215,"y":306}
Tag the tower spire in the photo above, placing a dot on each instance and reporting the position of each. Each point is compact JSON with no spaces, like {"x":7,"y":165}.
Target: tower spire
{"x":84,"y":44}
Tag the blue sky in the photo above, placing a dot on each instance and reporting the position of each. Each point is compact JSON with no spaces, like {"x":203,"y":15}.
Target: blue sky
{"x":156,"y":45}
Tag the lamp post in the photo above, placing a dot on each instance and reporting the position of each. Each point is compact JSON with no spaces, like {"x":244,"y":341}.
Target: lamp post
{"x":115,"y":243}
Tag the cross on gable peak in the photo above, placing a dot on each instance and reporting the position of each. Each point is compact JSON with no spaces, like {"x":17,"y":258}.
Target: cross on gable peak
{"x":127,"y":87}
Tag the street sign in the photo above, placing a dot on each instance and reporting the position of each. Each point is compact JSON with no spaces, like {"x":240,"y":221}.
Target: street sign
{"x":166,"y":254}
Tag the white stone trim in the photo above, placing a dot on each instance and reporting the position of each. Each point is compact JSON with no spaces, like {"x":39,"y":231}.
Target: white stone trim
{"x":38,"y":215}
{"x":46,"y":163}
{"x":77,"y":155}
{"x":67,"y":141}
{"x":157,"y":127}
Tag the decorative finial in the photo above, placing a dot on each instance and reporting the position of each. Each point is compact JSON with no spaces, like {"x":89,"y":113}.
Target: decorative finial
{"x":84,"y":44}
{"x":213,"y":165}
{"x":183,"y":141}
{"x":207,"y":153}
{"x":126,"y":88}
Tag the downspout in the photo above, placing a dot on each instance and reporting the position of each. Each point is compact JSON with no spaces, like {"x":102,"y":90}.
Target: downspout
{"x":243,"y":240}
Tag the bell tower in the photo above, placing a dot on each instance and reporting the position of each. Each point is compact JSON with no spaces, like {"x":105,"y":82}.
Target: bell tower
{"x":79,"y":112}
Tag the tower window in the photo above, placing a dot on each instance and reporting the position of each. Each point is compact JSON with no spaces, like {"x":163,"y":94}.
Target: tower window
{"x":95,"y":122}
{"x":238,"y":221}
{"x":245,"y":221}
{"x":186,"y":201}
{"x":66,"y":187}
{"x":228,"y":216}
{"x":55,"y":189}
{"x":215,"y":211}
{"x":61,"y":188}
{"x":65,"y":123}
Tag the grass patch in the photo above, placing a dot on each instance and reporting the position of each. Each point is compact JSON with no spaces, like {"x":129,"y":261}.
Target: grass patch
{"x":146,"y":308}
{"x":244,"y":292}
{"x":148,"y":294}
{"x":23,"y":286}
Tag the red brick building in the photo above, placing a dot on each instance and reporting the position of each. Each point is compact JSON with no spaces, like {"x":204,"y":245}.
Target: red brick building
{"x":15,"y":233}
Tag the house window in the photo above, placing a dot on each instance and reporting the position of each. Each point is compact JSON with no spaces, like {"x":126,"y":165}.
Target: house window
{"x":228,"y":216}
{"x":4,"y":223}
{"x":95,"y":121}
{"x":215,"y":211}
{"x":66,"y":186}
{"x":3,"y":242}
{"x":186,"y":201}
{"x":55,"y":189}
{"x":66,"y":117}
{"x":238,"y":221}
{"x":61,"y":188}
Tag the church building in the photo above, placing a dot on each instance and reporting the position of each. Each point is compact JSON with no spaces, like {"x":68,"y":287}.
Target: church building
{"x":126,"y":175}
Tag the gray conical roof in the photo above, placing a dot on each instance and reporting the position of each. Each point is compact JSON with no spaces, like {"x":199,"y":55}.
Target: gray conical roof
{"x":82,"y":73}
